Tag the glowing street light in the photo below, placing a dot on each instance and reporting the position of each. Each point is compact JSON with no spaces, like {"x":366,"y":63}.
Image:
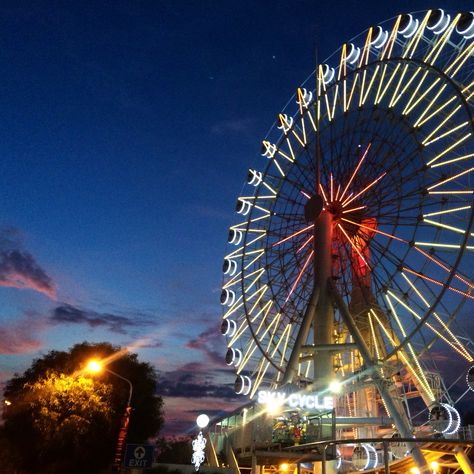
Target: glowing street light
{"x":199,"y":444}
{"x":202,"y":421}
{"x":94,"y":366}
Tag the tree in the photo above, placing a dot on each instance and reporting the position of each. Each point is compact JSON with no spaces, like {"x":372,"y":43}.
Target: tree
{"x":62,"y":419}
{"x":174,"y":450}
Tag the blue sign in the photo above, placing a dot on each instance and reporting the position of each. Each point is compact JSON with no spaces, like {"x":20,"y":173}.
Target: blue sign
{"x":139,"y":456}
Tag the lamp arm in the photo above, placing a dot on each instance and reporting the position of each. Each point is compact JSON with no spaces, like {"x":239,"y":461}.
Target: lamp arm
{"x":126,"y":380}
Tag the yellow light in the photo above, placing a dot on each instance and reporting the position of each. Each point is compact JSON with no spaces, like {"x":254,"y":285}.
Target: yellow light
{"x":434,"y":465}
{"x":335,"y":386}
{"x":274,"y":408}
{"x":94,"y":366}
{"x":7,"y":402}
{"x":414,"y":470}
{"x":284,"y":467}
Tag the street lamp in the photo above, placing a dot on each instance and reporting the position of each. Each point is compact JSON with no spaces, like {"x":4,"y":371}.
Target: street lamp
{"x":95,"y":366}
{"x":199,"y":444}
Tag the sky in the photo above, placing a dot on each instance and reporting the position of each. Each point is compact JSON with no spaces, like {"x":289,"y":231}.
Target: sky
{"x":126,"y":132}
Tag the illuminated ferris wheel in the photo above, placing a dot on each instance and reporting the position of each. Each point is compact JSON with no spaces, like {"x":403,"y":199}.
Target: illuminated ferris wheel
{"x":351,"y":258}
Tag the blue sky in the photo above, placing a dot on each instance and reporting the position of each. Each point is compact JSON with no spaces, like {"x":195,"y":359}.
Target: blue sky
{"x":126,"y":130}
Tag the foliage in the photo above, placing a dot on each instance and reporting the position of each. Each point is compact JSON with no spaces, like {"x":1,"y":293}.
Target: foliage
{"x":63,"y":405}
{"x":61,"y":419}
{"x":174,"y":450}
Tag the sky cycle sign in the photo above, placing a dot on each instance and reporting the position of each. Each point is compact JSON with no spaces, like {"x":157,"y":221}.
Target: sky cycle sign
{"x":305,"y":401}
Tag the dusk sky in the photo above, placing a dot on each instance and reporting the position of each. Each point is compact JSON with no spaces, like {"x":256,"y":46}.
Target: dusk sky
{"x":126,"y":131}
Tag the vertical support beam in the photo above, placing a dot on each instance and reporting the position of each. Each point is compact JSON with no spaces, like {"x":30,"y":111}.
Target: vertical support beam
{"x":301,"y":338}
{"x":400,"y":420}
{"x":323,"y":467}
{"x":463,"y":460}
{"x":324,"y":315}
{"x":385,"y":457}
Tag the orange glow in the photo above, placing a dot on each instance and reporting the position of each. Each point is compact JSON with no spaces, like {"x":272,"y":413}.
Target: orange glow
{"x":425,"y":254}
{"x":332,"y":186}
{"x":293,"y":235}
{"x":300,"y":275}
{"x":305,"y":244}
{"x":375,"y":181}
{"x":94,"y":366}
{"x":374,"y":230}
{"x":323,"y":193}
{"x":439,"y":283}
{"x":352,"y":244}
{"x":353,"y":209}
{"x":356,"y":170}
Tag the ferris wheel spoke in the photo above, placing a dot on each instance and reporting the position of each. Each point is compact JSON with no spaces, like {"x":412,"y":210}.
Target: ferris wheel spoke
{"x":439,"y":283}
{"x":454,"y":342}
{"x":417,"y":371}
{"x":451,"y":178}
{"x":441,"y":42}
{"x":293,"y":235}
{"x":397,"y":262}
{"x":444,"y":246}
{"x":298,"y":278}
{"x":456,"y":65}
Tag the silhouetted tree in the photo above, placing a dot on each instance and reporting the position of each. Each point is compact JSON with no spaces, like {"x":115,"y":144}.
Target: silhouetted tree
{"x":62,"y":419}
{"x":174,"y":450}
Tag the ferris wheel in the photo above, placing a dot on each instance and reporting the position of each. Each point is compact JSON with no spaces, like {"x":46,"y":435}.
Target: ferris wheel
{"x":353,"y":245}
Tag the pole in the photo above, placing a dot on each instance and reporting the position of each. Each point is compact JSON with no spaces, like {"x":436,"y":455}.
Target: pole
{"x":124,"y":424}
{"x":126,"y":380}
{"x":385,"y":457}
{"x":324,"y":315}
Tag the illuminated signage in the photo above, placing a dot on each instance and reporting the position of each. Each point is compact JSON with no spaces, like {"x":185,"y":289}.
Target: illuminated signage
{"x":305,"y":401}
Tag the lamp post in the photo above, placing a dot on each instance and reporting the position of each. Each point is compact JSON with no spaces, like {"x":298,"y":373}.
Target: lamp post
{"x":95,"y":366}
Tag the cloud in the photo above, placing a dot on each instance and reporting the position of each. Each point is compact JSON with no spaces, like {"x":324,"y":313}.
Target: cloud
{"x":192,"y":389}
{"x":207,"y":342}
{"x":193,"y":380}
{"x":18,"y":269}
{"x":21,"y":337}
{"x":69,"y":314}
{"x":181,"y":417}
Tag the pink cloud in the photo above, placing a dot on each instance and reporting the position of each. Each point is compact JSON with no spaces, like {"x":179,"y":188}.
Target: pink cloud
{"x":19,"y":269}
{"x":211,"y":343}
{"x":21,"y":337}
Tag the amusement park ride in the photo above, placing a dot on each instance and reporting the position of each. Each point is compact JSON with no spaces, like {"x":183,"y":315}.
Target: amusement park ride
{"x":349,"y":269}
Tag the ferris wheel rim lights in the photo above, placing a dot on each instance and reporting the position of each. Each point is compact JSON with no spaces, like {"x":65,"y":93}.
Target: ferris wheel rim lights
{"x":412,"y":25}
{"x":368,"y":449}
{"x":468,"y":31}
{"x":453,"y":422}
{"x":470,"y":384}
{"x":443,"y":21}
